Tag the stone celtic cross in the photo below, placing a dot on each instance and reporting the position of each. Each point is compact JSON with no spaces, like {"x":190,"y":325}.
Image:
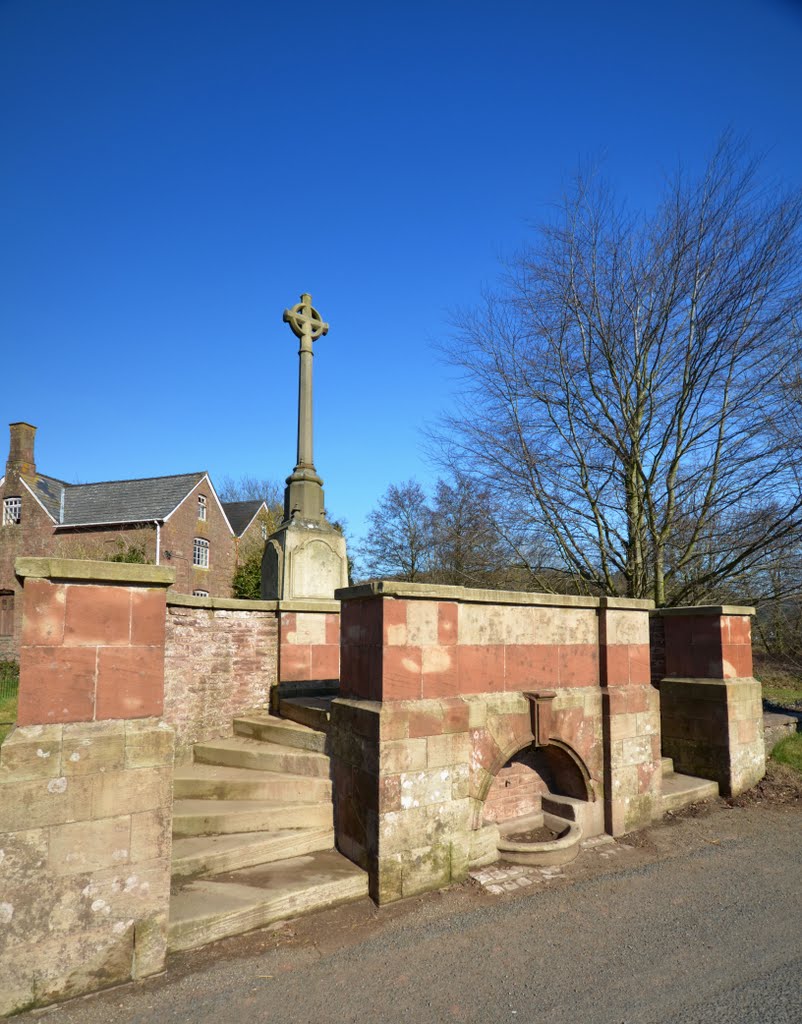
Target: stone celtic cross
{"x":304,"y":494}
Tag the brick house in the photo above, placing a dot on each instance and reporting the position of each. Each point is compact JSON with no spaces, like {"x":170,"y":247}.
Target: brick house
{"x":177,"y":521}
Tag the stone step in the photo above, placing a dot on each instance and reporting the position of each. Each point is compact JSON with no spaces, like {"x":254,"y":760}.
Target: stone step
{"x":270,"y":729}
{"x":205,"y":910}
{"x":312,"y":711}
{"x":668,"y":765}
{"x":215,"y":782}
{"x":213,"y":854}
{"x":241,"y":752}
{"x":681,"y":790}
{"x":216,"y":817}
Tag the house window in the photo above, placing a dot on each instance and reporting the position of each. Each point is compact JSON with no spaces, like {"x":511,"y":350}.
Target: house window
{"x":200,"y":593}
{"x":202,"y":506}
{"x":6,"y":612}
{"x":264,"y":531}
{"x":12,"y":511}
{"x":200,"y":553}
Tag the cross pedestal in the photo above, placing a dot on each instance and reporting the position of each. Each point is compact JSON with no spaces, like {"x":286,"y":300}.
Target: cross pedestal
{"x":305,"y":557}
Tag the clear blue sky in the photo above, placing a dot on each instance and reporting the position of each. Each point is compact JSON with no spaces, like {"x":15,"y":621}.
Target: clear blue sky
{"x":176,"y":172}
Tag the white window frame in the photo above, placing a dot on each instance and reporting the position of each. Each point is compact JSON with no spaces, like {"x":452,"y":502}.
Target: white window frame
{"x":200,"y":593}
{"x":202,"y":507}
{"x":12,"y":510}
{"x":264,"y":531}
{"x":200,"y":553}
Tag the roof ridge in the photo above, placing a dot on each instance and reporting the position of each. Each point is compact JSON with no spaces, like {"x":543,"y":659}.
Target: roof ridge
{"x":137,"y":479}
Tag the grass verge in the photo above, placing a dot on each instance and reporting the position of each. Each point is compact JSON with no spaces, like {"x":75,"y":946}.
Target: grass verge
{"x":9,"y":683}
{"x":789,"y":751}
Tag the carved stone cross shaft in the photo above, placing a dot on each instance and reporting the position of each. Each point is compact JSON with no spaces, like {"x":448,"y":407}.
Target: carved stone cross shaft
{"x":304,"y":493}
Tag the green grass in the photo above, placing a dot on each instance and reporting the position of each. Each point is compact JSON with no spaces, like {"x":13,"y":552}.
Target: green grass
{"x":9,"y":682}
{"x":789,"y":751}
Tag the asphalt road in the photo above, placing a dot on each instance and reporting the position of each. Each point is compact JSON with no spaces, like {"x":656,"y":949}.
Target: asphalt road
{"x":701,"y":924}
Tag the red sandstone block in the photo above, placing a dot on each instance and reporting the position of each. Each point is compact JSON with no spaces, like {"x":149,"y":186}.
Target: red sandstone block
{"x":295,"y":662}
{"x":447,"y":618}
{"x":401,"y":673}
{"x":528,"y":666}
{"x":130,"y":682}
{"x":97,"y":615}
{"x":616,"y":701}
{"x":394,"y":621}
{"x":640,"y":668}
{"x":56,"y":685}
{"x":148,"y":617}
{"x":616,"y":660}
{"x":360,"y":672}
{"x":325,"y":661}
{"x":289,"y":624}
{"x":439,"y":672}
{"x":578,"y":665}
{"x":736,"y":661}
{"x":332,"y":628}
{"x":425,"y":723}
{"x":646,"y":774}
{"x":481,"y":668}
{"x":639,"y":699}
{"x":456,"y":717}
{"x":43,"y":613}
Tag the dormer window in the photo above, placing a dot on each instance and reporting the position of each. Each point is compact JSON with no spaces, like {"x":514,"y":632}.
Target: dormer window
{"x":202,"y":506}
{"x":12,"y":511}
{"x":200,"y":553}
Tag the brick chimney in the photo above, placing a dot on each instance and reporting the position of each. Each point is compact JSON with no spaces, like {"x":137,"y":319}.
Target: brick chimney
{"x":20,"y":452}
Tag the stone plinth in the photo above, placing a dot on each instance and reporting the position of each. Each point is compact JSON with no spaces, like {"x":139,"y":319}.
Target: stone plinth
{"x":435,"y":685}
{"x":304,"y":559}
{"x":86,"y":785}
{"x":85,"y":830}
{"x":711,"y":707}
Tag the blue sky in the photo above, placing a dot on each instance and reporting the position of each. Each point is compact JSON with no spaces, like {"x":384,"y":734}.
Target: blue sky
{"x":176,"y":172}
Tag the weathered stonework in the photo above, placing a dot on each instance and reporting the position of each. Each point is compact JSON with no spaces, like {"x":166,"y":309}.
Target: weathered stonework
{"x":85,"y":837}
{"x":711,"y":708}
{"x":220,"y":659}
{"x":85,"y":785}
{"x":309,"y":647}
{"x":434,"y":706}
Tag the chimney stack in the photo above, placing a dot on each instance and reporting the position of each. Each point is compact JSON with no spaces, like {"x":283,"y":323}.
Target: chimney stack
{"x":20,"y":452}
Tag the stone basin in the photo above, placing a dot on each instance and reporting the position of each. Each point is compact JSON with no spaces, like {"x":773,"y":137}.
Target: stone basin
{"x":539,"y":853}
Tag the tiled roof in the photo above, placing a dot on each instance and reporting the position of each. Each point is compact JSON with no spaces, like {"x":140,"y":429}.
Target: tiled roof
{"x":48,"y":490}
{"x":240,"y":513}
{"x":113,"y":501}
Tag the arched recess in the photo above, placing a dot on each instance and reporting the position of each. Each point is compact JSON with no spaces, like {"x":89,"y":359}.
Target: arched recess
{"x":529,"y":772}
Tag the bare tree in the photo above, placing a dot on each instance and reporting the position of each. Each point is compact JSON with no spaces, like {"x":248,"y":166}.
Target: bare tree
{"x":467,"y":547}
{"x":251,"y":488}
{"x":627,"y":386}
{"x":399,"y":542}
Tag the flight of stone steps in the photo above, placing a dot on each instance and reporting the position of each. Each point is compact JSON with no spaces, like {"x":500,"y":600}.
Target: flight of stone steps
{"x":681,"y":790}
{"x":253,"y":838}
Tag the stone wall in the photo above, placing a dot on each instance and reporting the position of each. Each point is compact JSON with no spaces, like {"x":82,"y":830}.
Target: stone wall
{"x":310,"y":642}
{"x":436,"y":685}
{"x":221,"y":658}
{"x":85,"y":785}
{"x":711,"y":707}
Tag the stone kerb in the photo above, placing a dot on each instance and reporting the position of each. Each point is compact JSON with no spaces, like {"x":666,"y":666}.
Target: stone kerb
{"x":85,"y":802}
{"x":432,"y":707}
{"x":711,"y":706}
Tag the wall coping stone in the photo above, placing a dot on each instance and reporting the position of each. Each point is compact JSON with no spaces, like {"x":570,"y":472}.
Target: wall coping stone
{"x":228,"y":603}
{"x":471,"y":595}
{"x":706,"y":609}
{"x":88,"y":571}
{"x":251,"y":605}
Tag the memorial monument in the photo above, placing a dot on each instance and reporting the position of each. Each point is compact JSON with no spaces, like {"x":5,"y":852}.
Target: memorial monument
{"x":305,"y":557}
